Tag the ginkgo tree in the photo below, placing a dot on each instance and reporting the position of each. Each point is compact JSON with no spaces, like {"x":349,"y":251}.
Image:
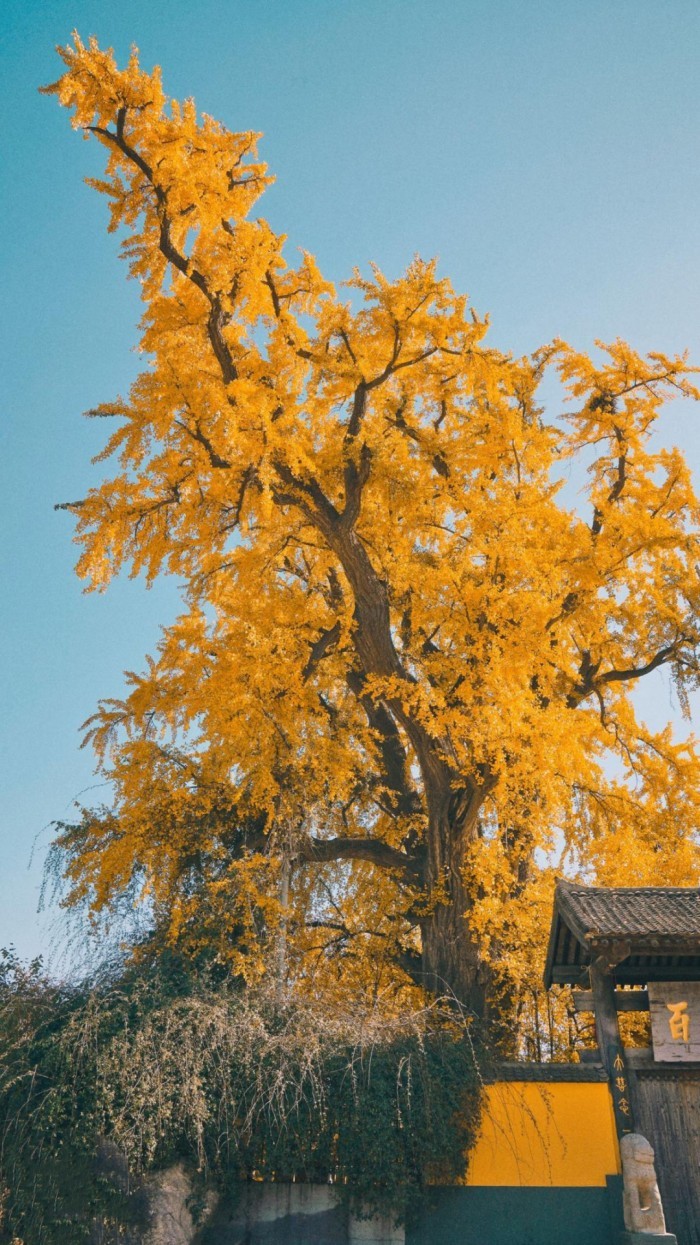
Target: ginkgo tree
{"x":405,"y":666}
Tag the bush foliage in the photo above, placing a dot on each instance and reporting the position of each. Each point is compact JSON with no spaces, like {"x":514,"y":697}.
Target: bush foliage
{"x":102,"y":1083}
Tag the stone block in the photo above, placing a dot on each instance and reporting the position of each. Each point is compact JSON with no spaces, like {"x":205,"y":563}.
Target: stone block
{"x":375,"y":1231}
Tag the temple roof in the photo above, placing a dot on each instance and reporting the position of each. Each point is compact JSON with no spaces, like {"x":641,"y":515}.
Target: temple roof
{"x":643,"y":933}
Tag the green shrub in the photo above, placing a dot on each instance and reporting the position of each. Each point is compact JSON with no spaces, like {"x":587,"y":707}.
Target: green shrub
{"x":104,"y":1082}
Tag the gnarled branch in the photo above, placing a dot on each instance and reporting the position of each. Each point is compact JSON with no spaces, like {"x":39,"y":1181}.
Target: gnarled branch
{"x":374,"y":851}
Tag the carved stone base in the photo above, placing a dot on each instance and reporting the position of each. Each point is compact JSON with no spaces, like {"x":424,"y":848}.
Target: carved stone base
{"x":647,"y":1238}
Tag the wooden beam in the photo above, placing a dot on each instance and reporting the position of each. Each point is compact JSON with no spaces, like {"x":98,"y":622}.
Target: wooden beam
{"x":625,"y":1000}
{"x":568,"y":974}
{"x":611,"y":1051}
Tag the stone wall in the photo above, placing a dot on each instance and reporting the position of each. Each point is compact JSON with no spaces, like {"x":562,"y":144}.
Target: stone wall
{"x":263,"y":1214}
{"x":300,"y":1214}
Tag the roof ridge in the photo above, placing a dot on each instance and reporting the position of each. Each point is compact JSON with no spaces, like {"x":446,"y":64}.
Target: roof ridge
{"x":657,"y":890}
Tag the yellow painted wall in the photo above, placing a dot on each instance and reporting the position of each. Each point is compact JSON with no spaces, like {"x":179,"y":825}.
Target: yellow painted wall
{"x":534,"y":1133}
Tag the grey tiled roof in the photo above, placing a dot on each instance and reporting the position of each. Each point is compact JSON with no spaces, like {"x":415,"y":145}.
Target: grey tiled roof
{"x":644,"y":933}
{"x":631,"y":911}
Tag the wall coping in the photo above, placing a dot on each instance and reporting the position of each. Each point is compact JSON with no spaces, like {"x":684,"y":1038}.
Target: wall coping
{"x":585,"y":1072}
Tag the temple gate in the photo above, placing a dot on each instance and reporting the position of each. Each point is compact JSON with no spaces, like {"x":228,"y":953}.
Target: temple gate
{"x":637,"y":949}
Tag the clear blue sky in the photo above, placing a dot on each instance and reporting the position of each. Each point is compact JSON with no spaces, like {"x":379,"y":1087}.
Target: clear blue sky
{"x":547,"y":152}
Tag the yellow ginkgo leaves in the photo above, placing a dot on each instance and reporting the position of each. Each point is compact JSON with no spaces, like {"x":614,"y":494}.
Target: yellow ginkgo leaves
{"x":403,"y":672}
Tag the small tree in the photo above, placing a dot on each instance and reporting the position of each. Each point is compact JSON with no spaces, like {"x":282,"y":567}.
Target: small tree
{"x":405,"y":663}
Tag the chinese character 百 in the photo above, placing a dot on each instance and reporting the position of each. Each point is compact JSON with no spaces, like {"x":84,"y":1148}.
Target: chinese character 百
{"x":679,"y":1022}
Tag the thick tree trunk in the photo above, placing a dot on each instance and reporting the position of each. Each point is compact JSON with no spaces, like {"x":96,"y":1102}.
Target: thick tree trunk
{"x":451,"y":962}
{"x":453,"y":965}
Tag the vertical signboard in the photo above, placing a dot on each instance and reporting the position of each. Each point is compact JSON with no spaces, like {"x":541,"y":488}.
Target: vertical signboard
{"x":675,"y":1021}
{"x":619,"y":1088}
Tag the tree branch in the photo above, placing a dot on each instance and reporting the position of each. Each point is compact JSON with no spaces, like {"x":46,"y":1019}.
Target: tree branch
{"x":355,"y":476}
{"x":439,"y":462}
{"x":249,"y":477}
{"x":374,"y":851}
{"x":637,"y":672}
{"x":325,"y":642}
{"x":216,"y":319}
{"x":308,"y":496}
{"x":277,"y":308}
{"x":196,"y":434}
{"x":393,"y":756}
{"x":591,"y":682}
{"x":358,"y":410}
{"x":617,"y":488}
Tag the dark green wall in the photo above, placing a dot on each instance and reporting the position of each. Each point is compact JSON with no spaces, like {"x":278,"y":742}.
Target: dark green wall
{"x":521,"y":1216}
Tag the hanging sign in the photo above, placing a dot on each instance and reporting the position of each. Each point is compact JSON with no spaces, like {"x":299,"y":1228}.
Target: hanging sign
{"x":675,"y":1021}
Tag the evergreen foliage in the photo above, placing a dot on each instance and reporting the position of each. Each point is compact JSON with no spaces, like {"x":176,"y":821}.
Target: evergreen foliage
{"x":102,"y":1083}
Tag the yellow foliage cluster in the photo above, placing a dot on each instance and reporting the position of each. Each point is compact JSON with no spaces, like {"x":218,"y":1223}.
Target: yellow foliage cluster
{"x":403,"y":657}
